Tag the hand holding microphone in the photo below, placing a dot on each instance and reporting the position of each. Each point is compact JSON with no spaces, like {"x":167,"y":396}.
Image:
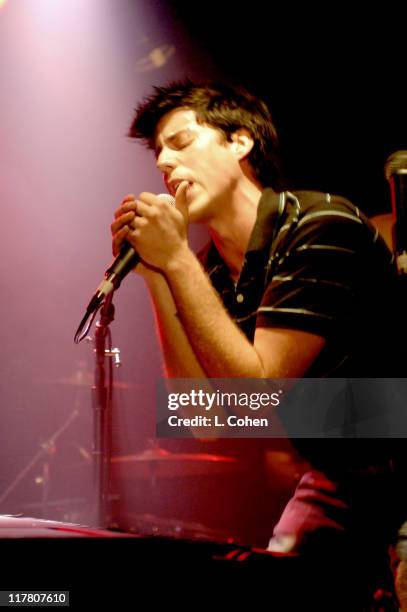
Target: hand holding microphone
{"x":128,"y":226}
{"x":151,"y":228}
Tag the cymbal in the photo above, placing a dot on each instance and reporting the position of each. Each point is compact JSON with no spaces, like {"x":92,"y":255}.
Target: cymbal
{"x":163,"y":464}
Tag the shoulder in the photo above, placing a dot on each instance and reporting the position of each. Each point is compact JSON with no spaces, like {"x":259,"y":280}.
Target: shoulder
{"x":334,"y":218}
{"x":329,"y":205}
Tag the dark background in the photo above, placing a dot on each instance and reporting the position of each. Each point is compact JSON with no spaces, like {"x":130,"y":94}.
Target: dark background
{"x":334,"y":78}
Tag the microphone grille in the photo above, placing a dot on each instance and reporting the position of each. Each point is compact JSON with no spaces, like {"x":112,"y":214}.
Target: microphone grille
{"x":166,"y":197}
{"x":396,"y":163}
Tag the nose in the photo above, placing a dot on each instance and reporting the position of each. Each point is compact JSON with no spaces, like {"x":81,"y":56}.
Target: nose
{"x":165,"y":161}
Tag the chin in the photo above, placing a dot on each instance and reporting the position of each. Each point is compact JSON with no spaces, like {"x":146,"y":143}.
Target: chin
{"x":198,"y":214}
{"x":197,"y":211}
{"x":201,"y":209}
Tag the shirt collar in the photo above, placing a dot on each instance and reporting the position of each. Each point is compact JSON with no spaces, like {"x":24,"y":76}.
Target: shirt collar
{"x":269,"y":216}
{"x":269,"y":213}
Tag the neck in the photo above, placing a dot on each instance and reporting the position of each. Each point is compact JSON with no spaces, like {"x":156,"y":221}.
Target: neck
{"x":232,"y":228}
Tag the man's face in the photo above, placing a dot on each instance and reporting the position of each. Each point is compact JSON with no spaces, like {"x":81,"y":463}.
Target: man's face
{"x":197,"y":153}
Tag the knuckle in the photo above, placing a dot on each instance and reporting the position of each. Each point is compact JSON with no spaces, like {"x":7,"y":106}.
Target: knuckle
{"x":128,"y":197}
{"x":114,"y":228}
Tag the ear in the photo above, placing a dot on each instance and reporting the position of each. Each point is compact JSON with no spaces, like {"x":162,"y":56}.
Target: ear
{"x":241,"y":143}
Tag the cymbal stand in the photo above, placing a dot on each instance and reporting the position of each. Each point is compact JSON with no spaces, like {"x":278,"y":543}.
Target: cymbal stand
{"x":46,"y":449}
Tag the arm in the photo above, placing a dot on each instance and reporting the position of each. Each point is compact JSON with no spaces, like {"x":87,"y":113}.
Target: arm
{"x":179,"y":358}
{"x":204,"y":329}
{"x":221,"y":346}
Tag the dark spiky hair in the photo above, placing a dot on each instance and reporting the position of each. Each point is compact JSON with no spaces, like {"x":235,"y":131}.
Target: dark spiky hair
{"x":223,"y":107}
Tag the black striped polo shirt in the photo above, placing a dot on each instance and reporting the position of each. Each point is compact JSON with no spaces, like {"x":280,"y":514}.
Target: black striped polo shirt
{"x":315,"y":263}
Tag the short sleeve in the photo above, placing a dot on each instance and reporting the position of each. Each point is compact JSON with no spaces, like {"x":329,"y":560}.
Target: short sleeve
{"x":320,"y":271}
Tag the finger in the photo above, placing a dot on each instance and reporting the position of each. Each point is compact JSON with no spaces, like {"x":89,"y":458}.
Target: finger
{"x":146,"y":210}
{"x":138,"y":223}
{"x":119,"y":238}
{"x":124,"y":208}
{"x":181,"y":199}
{"x":128,"y":198}
{"x":147,"y":197}
{"x":124,"y":219}
{"x":154,"y":207}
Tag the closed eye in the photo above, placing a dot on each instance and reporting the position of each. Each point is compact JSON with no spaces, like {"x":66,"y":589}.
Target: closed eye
{"x":176,"y":141}
{"x":181,"y":140}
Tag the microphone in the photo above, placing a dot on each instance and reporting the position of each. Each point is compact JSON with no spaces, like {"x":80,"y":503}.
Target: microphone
{"x":395,"y":170}
{"x":127,"y":259}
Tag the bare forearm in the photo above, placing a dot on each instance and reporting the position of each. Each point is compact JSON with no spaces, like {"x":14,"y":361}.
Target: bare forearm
{"x":221,"y":348}
{"x":198,"y":337}
{"x":179,"y":358}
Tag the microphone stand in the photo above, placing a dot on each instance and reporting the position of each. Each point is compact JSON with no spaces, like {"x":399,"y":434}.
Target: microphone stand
{"x":102,"y":405}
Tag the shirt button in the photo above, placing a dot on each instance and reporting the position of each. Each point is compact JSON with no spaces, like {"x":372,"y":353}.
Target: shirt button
{"x":239,"y":298}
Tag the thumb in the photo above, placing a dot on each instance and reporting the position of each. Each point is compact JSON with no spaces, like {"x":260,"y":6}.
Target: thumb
{"x":181,"y":199}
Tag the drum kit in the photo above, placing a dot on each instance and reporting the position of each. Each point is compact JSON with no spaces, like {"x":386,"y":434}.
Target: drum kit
{"x":157,"y":462}
{"x":159,"y":473}
{"x":151,"y":466}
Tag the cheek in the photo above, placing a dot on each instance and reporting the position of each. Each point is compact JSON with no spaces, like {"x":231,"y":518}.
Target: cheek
{"x":218,"y":172}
